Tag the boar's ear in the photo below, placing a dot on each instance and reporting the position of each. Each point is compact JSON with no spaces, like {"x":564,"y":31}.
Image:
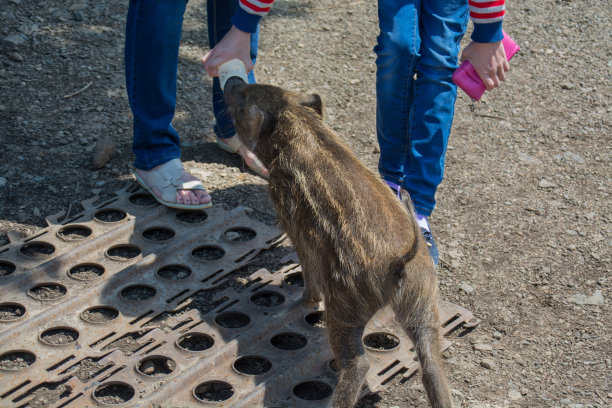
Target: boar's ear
{"x":313,"y":101}
{"x":253,"y":121}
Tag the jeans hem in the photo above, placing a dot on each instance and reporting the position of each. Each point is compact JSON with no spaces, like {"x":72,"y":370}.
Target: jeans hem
{"x":157,"y":162}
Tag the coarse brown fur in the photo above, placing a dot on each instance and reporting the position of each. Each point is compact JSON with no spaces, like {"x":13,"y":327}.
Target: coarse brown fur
{"x":359,"y":246}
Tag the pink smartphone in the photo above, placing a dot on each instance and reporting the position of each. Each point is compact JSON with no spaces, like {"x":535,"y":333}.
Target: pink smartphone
{"x":466,"y":77}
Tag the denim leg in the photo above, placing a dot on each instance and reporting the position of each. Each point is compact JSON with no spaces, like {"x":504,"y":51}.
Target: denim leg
{"x":396,"y":54}
{"x":220,"y":13}
{"x":442,"y":25}
{"x":153,"y":34}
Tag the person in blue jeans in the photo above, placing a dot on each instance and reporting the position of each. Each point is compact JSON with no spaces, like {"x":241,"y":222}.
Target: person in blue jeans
{"x":417,"y":51}
{"x":153,"y":34}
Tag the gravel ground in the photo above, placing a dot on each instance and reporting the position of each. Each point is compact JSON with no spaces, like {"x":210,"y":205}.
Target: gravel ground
{"x":524,"y":214}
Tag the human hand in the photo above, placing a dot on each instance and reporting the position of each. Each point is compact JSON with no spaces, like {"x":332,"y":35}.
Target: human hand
{"x":489,"y":60}
{"x":235,"y":44}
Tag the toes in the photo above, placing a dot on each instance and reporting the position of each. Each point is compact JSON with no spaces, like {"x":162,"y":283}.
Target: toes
{"x":202,"y":196}
{"x":185,"y":196}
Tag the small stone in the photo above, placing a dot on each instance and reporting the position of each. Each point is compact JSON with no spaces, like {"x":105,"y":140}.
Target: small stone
{"x":596,"y":299}
{"x":100,"y":183}
{"x":95,"y":191}
{"x":466,"y":288}
{"x":53,"y":189}
{"x":3,"y":182}
{"x":355,"y":81}
{"x":483,"y":347}
{"x":546,"y":184}
{"x":36,"y":212}
{"x":13,"y":41}
{"x":15,"y":56}
{"x":565,"y":401}
{"x":77,"y":15}
{"x":14,"y":1}
{"x":487,"y":363}
{"x":103,"y":152}
{"x":514,"y":395}
{"x":497,"y":335}
{"x":567,"y":85}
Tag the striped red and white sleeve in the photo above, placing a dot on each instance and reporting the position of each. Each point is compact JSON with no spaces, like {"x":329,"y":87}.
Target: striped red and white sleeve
{"x":487,"y":16}
{"x":249,"y":13}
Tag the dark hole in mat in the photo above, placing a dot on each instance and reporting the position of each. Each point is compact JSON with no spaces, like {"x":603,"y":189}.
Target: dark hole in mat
{"x":124,"y":252}
{"x":315,"y":319}
{"x":16,"y":360}
{"x":156,"y":366}
{"x":142,"y":199}
{"x":114,"y":393}
{"x":295,"y":278}
{"x":289,"y":341}
{"x":158,"y":234}
{"x":6,"y":268}
{"x":11,"y":311}
{"x":232,"y":320}
{"x":37,"y":249}
{"x":174,"y":272}
{"x":214,"y":391}
{"x":381,"y":341}
{"x":312,"y":390}
{"x":58,"y":336}
{"x":48,"y":291}
{"x":240,"y":234}
{"x":110,"y":215}
{"x":195,"y":342}
{"x":252,"y":365}
{"x":74,"y":232}
{"x":267,"y":298}
{"x":208,"y":253}
{"x":99,"y":314}
{"x":86,"y":272}
{"x":192,"y":217}
{"x":138,"y":293}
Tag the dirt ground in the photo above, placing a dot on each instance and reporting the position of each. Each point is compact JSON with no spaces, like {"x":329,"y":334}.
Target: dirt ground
{"x":523,"y":220}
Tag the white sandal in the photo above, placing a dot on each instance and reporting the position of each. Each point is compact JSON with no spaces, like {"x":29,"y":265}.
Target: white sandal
{"x":232,"y":144}
{"x":168,"y":178}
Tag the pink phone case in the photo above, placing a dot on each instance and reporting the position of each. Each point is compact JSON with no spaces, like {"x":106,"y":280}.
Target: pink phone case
{"x":466,"y":77}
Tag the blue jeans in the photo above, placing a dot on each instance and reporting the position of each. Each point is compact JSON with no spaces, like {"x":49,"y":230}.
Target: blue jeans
{"x":417,"y":52}
{"x":153,"y":35}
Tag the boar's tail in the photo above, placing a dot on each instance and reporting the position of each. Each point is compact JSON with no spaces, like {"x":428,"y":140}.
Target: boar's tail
{"x":405,"y":197}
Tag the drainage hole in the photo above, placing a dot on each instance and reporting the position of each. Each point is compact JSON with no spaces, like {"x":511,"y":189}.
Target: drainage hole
{"x":252,"y":365}
{"x":86,"y":272}
{"x":213,"y":391}
{"x":174,"y":272}
{"x":232,"y":320}
{"x":195,"y":342}
{"x":295,"y":279}
{"x":99,"y":314}
{"x":312,"y":390}
{"x":315,"y":319}
{"x":142,"y":199}
{"x":267,"y":298}
{"x":381,"y":341}
{"x":239,"y":234}
{"x":138,"y":293}
{"x":11,"y":311}
{"x":158,"y":234}
{"x":74,"y":232}
{"x":192,"y":217}
{"x":16,"y":360}
{"x":110,"y":215}
{"x":37,"y":249}
{"x":59,"y":336}
{"x":208,"y":253}
{"x":333,"y":365}
{"x":156,"y":366}
{"x":123,"y":252}
{"x":6,"y":268}
{"x":114,"y":393}
{"x":48,"y":291}
{"x":289,"y":341}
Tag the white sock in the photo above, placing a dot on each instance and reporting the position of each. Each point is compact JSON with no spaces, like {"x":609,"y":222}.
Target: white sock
{"x":421,"y":221}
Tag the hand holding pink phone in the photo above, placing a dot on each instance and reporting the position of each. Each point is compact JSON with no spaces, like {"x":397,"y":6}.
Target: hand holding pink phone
{"x":466,"y":77}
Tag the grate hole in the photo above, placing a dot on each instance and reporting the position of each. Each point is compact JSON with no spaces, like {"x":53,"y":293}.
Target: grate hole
{"x":333,"y":365}
{"x":48,"y":291}
{"x":99,"y":314}
{"x":74,"y":232}
{"x":315,"y":319}
{"x":11,"y":311}
{"x":142,"y":199}
{"x":6,"y":268}
{"x":192,"y":217}
{"x":239,"y":234}
{"x":158,"y":234}
{"x":123,"y":252}
{"x":138,"y":293}
{"x":252,"y":365}
{"x":312,"y":390}
{"x":86,"y":272}
{"x":16,"y":360}
{"x":268,"y":298}
{"x":213,"y":391}
{"x":295,"y":279}
{"x":37,"y":249}
{"x":208,"y":253}
{"x":195,"y":342}
{"x":156,"y":366}
{"x":232,"y":320}
{"x":174,"y":272}
{"x":110,"y":215}
{"x":289,"y":341}
{"x":114,"y":393}
{"x":381,"y":341}
{"x":59,"y":336}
